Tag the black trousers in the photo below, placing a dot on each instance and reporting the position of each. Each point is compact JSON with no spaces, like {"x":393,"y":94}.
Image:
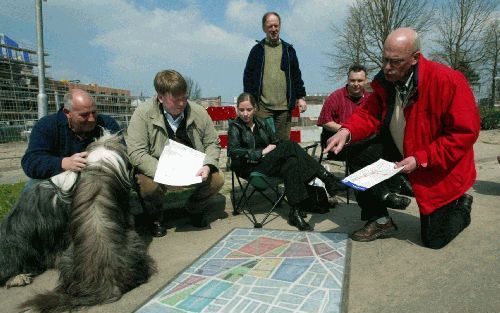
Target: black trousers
{"x":290,"y":162}
{"x":362,"y":154}
{"x":437,"y":229}
{"x":444,"y":224}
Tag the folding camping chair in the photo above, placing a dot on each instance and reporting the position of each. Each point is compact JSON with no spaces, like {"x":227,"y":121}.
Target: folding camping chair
{"x":260,"y":183}
{"x":255,"y":182}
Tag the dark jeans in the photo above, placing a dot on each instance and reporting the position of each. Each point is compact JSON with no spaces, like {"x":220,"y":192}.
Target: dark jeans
{"x":292,"y":163}
{"x":444,"y":224}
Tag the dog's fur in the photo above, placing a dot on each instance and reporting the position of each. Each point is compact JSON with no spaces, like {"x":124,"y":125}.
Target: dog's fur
{"x":106,"y":257}
{"x":35,"y":230}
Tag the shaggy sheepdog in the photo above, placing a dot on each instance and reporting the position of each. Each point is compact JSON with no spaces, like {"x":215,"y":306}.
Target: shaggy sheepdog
{"x":105,"y":256}
{"x":35,"y":231}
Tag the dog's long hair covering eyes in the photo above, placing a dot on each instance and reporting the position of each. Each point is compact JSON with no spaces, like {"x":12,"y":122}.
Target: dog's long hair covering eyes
{"x":106,"y":257}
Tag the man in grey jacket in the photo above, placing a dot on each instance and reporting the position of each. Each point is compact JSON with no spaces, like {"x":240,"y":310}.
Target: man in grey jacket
{"x":169,"y":116}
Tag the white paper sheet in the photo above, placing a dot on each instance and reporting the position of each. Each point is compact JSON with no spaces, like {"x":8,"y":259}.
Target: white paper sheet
{"x":178,"y":165}
{"x":371,"y":175}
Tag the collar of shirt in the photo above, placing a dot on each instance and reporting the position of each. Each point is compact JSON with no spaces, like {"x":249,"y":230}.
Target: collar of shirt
{"x":174,"y":122}
{"x":408,"y":82}
{"x":352,"y":98}
{"x":404,"y":90}
{"x":272,"y":44}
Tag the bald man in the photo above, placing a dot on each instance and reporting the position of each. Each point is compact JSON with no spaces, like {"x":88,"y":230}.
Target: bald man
{"x":428,"y":122}
{"x":58,"y":141}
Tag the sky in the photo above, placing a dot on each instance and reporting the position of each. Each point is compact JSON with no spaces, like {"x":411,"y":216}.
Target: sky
{"x":124,"y":43}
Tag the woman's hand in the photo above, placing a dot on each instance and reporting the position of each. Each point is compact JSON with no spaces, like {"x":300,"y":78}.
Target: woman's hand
{"x":268,"y":149}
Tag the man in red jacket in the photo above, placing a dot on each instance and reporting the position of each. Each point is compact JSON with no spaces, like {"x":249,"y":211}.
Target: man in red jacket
{"x":428,"y":122}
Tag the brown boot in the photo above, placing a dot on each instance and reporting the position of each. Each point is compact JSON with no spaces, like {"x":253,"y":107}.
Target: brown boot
{"x":373,"y":230}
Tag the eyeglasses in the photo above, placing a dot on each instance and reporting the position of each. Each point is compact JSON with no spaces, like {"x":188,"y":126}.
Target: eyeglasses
{"x":392,"y":62}
{"x":397,"y":62}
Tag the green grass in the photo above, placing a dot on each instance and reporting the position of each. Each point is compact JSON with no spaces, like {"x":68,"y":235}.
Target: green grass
{"x":8,"y":196}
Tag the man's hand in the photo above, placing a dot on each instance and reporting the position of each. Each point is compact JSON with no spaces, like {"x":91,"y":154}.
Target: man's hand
{"x":268,"y":149}
{"x":75,"y":163}
{"x":203,"y":172}
{"x":302,"y":105}
{"x":410,"y":164}
{"x":337,"y":142}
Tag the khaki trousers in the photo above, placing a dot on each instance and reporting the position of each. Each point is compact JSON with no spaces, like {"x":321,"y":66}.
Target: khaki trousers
{"x":153,"y":194}
{"x":282,"y":120}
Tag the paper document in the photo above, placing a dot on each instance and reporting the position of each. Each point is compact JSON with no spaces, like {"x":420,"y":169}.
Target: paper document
{"x":178,"y":165}
{"x":371,"y":175}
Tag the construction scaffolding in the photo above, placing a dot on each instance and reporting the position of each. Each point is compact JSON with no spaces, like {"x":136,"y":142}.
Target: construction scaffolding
{"x":19,"y":90}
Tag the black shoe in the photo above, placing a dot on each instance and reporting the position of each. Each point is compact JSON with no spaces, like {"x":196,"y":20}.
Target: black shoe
{"x":465,"y":202}
{"x":158,"y":229}
{"x":198,"y":220}
{"x":394,"y":201}
{"x":332,"y":183}
{"x":295,"y":219}
{"x":406,"y":189}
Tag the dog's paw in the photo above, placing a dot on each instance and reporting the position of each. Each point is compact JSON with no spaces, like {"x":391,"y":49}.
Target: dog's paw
{"x":19,"y":280}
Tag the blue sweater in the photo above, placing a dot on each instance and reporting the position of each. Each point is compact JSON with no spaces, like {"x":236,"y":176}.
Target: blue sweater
{"x":52,"y":140}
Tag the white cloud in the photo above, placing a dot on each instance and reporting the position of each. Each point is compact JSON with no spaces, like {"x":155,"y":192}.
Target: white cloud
{"x":311,"y":21}
{"x":139,"y":42}
{"x":245,"y":15}
{"x":123,"y":43}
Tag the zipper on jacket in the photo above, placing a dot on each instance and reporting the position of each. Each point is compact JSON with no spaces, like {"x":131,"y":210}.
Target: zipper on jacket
{"x":289,"y":79}
{"x":261,"y":73}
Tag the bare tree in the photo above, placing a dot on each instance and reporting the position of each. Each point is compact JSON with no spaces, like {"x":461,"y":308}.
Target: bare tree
{"x":369,"y":22}
{"x":461,"y":28}
{"x":193,"y":89}
{"x":492,"y":52}
{"x":349,"y":45}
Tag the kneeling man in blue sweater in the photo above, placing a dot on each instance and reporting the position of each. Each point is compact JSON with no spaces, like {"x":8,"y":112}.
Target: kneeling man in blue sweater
{"x":58,"y":141}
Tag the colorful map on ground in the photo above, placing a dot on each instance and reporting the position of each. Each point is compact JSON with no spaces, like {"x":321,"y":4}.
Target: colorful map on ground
{"x":258,"y":270}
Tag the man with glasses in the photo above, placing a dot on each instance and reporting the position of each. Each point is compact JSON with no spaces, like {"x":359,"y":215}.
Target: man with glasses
{"x":337,"y":109}
{"x":58,"y":141}
{"x":428,"y":122}
{"x":170,"y":116}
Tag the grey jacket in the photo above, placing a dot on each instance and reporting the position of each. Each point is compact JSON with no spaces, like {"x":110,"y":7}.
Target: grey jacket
{"x":147,"y":135}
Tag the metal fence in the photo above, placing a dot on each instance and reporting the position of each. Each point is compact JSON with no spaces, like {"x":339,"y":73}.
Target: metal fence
{"x":18,"y":111}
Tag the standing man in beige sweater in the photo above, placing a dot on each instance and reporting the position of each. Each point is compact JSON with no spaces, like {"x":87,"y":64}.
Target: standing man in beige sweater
{"x":272,"y":75}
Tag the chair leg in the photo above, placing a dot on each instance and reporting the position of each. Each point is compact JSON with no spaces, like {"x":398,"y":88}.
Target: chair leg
{"x":281,"y":198}
{"x":233,"y":195}
{"x":242,"y":204}
{"x":346,"y":174}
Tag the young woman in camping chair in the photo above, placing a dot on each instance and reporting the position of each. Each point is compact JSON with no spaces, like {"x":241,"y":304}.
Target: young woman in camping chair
{"x":253,"y":147}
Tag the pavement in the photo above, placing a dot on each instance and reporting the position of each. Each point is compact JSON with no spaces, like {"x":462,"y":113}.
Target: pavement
{"x":388,"y":275}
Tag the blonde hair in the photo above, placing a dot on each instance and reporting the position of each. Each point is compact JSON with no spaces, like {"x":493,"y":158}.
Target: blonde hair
{"x":170,"y":81}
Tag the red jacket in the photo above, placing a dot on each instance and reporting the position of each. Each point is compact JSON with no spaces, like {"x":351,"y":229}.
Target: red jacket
{"x":442,"y":124}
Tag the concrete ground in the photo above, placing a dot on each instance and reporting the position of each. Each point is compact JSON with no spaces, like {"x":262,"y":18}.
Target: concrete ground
{"x":388,"y":275}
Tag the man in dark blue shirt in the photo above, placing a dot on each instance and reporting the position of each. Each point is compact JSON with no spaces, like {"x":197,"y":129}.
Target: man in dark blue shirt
{"x":58,"y":141}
